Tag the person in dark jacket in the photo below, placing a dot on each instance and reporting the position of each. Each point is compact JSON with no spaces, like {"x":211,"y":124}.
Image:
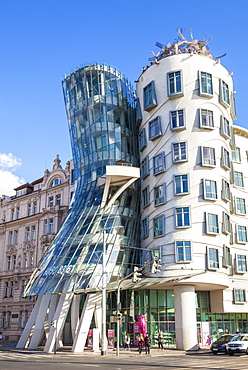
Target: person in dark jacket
{"x":147,"y":344}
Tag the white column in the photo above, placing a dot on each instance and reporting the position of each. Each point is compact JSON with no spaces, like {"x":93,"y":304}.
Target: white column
{"x":185,"y":317}
{"x":39,"y":325}
{"x":29,"y":325}
{"x":75,"y":314}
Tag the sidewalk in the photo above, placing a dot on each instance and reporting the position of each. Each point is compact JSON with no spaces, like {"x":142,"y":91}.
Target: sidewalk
{"x":66,"y":350}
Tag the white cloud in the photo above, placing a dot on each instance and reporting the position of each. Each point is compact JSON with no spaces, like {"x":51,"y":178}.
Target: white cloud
{"x":9,"y":161}
{"x":8,"y":182}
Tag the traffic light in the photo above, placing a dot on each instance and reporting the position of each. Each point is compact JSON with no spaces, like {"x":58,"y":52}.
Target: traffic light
{"x":156,"y":265}
{"x":136,"y":274}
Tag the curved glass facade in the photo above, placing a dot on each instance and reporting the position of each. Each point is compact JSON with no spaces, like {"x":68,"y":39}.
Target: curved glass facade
{"x":100,"y":108}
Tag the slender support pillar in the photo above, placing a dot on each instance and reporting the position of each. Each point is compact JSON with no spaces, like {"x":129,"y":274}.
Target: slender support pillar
{"x":185,"y":317}
{"x":75,"y":315}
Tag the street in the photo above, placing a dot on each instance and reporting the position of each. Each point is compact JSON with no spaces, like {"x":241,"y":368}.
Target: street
{"x":27,"y":361}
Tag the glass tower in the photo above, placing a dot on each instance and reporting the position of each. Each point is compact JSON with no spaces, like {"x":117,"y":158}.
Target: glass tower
{"x":100,"y":107}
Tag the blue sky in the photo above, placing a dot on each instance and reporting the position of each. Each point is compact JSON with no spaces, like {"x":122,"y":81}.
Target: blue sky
{"x":41,"y":40}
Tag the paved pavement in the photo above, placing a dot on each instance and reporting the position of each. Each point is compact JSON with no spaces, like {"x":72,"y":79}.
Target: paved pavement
{"x":11,"y":347}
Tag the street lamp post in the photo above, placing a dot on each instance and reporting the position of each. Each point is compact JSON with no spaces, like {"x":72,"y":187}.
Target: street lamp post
{"x":103,"y":347}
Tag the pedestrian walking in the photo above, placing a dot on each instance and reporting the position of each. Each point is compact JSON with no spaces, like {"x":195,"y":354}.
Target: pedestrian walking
{"x":140,"y":343}
{"x":160,"y":340}
{"x":147,"y":344}
{"x":127,"y":341}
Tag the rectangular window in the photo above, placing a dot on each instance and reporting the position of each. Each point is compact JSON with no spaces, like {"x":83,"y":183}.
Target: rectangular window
{"x":45,"y":226}
{"x":145,"y":171}
{"x":226,"y":225}
{"x":12,"y":214}
{"x":206,"y":119}
{"x":175,"y":87}
{"x":13,"y":262}
{"x":51,"y":226}
{"x":15,"y":236}
{"x":224,"y":94}
{"x":145,"y":228}
{"x":182,"y":217}
{"x":212,"y":224}
{"x":10,"y":241}
{"x":181,"y":184}
{"x":177,"y":119}
{"x":50,"y":201}
{"x":183,"y":251}
{"x":17,"y":212}
{"x":31,"y":259}
{"x":6,"y":289}
{"x":8,"y":265}
{"x":227,"y":257}
{"x":241,"y":264}
{"x":160,"y":194}
{"x":210,"y":189}
{"x":225,"y":127}
{"x":27,"y":234}
{"x":155,"y":129}
{"x":142,"y":139}
{"x":208,"y":156}
{"x":226,"y":194}
{"x":159,"y":163}
{"x":236,"y":155}
{"x":146,"y":197}
{"x":241,"y":234}
{"x":149,"y":97}
{"x":28,"y":209}
{"x":179,"y":152}
{"x":206,"y":86}
{"x":58,"y":200}
{"x":159,"y":226}
{"x":213,"y":258}
{"x":239,"y":295}
{"x":33,"y":232}
{"x":240,"y":206}
{"x":225,"y":158}
{"x":25,"y":260}
{"x":34,"y":208}
{"x":238,"y":179}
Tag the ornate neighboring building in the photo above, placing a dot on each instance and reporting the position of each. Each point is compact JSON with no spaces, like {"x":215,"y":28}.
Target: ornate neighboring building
{"x":29,"y":221}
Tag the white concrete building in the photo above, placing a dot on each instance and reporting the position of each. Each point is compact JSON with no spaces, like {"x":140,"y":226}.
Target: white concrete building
{"x":194,"y":179}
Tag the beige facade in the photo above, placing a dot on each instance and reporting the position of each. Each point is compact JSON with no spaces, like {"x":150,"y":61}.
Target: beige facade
{"x":29,"y":221}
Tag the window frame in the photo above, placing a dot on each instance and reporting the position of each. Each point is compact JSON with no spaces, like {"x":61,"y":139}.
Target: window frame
{"x":242,"y":206}
{"x":145,"y":227}
{"x":226,"y":191}
{"x":162,"y":226}
{"x":207,"y":127}
{"x":226,"y":223}
{"x":224,"y":93}
{"x":240,"y":262}
{"x":211,"y":157}
{"x":144,"y":167}
{"x":205,"y":93}
{"x":240,"y":177}
{"x":142,"y":139}
{"x":177,"y":119}
{"x":146,"y":197}
{"x":152,"y":102}
{"x":236,"y":156}
{"x":157,"y":201}
{"x":176,"y":93}
{"x":205,"y":191}
{"x":155,"y":124}
{"x":212,"y":223}
{"x":225,"y":158}
{"x":181,"y":183}
{"x":182,"y":215}
{"x":213,"y":264}
{"x":161,"y":167}
{"x":241,"y":231}
{"x":184,"y":252}
{"x":235,"y":296}
{"x":225,"y":128}
{"x":179,"y":151}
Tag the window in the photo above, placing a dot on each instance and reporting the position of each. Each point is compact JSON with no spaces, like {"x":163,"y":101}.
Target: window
{"x":226,"y":225}
{"x":179,"y":152}
{"x":208,"y":156}
{"x":25,"y":259}
{"x":182,"y":217}
{"x":45,"y":226}
{"x":13,"y":262}
{"x":37,"y":186}
{"x":210,"y":189}
{"x":145,"y":228}
{"x":6,"y":319}
{"x":155,"y":129}
{"x":31,"y":259}
{"x":238,"y":179}
{"x":213,"y":258}
{"x":241,"y":265}
{"x":225,"y":162}
{"x":6,"y":289}
{"x":8,"y":265}
{"x":206,"y":119}
{"x":21,"y":192}
{"x":183,"y":251}
{"x":23,"y":286}
{"x":149,"y":97}
{"x":10,"y":241}
{"x":224,"y":94}
{"x":11,"y":285}
{"x":241,"y":234}
{"x":240,"y":206}
{"x":159,"y":194}
{"x":15,"y":236}
{"x":145,"y":167}
{"x":239,"y":295}
{"x":51,"y":226}
{"x":226,"y":194}
{"x":33,"y":232}
{"x":27,"y":234}
{"x":34,"y":208}
{"x":225,"y":127}
{"x":146,"y":197}
{"x":28,"y":209}
{"x":58,"y":200}
{"x":174,"y":80}
{"x":177,"y":119}
{"x":206,"y":86}
{"x":17,"y":212}
{"x":236,"y":155}
{"x":227,"y":257}
{"x":212,"y":224}
{"x":158,"y":163}
{"x":158,"y":226}
{"x":12,"y":214}
{"x":56,"y":182}
{"x":50,"y":201}
{"x":142,"y":139}
{"x":181,"y":184}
